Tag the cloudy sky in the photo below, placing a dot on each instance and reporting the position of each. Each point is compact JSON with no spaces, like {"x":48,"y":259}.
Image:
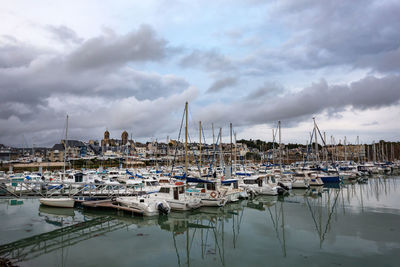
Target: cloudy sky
{"x":131,"y":65}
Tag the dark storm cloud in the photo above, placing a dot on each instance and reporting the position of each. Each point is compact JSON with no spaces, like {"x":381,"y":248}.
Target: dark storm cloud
{"x":44,"y":75}
{"x":367,"y":93}
{"x":64,"y":34}
{"x":111,"y":49}
{"x":322,"y":34}
{"x":90,"y":116}
{"x":49,"y":77}
{"x":220,"y":84}
{"x":37,"y":88}
{"x":342,"y":32}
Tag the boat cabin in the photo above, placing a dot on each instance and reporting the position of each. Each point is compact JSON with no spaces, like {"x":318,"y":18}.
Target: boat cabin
{"x":253,"y":181}
{"x":233,"y":183}
{"x":172,"y":191}
{"x":209,"y":186}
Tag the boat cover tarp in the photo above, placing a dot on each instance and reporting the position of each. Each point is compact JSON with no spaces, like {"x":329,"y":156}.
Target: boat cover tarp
{"x":197,"y":180}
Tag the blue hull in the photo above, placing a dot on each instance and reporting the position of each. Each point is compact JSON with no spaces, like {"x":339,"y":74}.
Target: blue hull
{"x":330,"y":179}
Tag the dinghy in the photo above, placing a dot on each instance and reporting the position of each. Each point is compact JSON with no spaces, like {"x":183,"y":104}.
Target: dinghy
{"x":58,"y":202}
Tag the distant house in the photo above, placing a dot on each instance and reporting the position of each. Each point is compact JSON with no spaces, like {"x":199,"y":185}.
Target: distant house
{"x":75,"y":149}
{"x":56,"y":153}
{"x":93,"y":150}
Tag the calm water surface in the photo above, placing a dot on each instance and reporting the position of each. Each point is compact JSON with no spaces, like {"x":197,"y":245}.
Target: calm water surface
{"x":354,"y":225}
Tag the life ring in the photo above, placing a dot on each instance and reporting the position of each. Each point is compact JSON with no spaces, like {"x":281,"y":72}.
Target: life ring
{"x":213,"y":194}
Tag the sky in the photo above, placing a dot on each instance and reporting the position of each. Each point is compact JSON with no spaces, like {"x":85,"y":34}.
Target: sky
{"x":132,"y":65}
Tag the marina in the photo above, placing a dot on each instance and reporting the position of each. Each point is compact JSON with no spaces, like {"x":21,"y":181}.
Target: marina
{"x":200,"y":133}
{"x":352,"y":223}
{"x":214,"y":210}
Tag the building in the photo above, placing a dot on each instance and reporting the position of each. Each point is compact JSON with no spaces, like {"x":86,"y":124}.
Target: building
{"x":107,"y":142}
{"x":75,"y":149}
{"x":124,"y":137}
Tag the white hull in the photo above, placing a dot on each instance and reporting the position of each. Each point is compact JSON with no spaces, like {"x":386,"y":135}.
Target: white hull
{"x":300,"y":184}
{"x":181,"y":205}
{"x":148,"y":205}
{"x":58,"y":202}
{"x":233,"y":197}
{"x":213,"y":202}
{"x":261,"y":190}
{"x":267,"y":191}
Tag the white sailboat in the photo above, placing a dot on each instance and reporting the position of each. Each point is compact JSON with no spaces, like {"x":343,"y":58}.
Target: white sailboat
{"x":60,"y":202}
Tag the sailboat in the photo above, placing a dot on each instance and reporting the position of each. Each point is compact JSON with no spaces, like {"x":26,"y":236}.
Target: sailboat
{"x":60,"y":202}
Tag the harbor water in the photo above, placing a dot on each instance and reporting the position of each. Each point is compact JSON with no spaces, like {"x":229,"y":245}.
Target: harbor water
{"x":344,"y":225}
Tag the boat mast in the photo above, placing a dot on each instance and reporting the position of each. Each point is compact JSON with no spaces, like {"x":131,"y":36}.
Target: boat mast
{"x":280,"y":152}
{"x":235,"y":152}
{"x":373,"y":152}
{"x":273,"y":148}
{"x":326,"y":151}
{"x":392,"y":152}
{"x":221,"y":158}
{"x":316,"y":141}
{"x":383,"y":152}
{"x":186,"y":138}
{"x":200,"y":145}
{"x":65,"y":146}
{"x":167,"y":151}
{"x":230,"y":163}
{"x":212,"y":126}
{"x":358,"y":149}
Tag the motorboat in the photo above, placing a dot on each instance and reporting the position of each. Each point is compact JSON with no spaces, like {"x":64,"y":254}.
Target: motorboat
{"x":177,"y":198}
{"x":209,"y":194}
{"x":150,"y":205}
{"x":256,"y":185}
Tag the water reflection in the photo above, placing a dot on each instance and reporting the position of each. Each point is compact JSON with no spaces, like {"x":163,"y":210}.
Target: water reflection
{"x":204,"y":229}
{"x":304,"y":221}
{"x":57,"y":216}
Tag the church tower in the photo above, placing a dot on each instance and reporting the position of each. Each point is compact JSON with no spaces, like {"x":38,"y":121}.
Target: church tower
{"x":124,"y":137}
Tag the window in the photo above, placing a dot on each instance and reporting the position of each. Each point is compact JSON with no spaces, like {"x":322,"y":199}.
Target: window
{"x":211,"y":186}
{"x":200,"y":185}
{"x":164,"y":190}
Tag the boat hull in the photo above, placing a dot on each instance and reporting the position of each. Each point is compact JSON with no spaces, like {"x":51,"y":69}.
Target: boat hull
{"x":330,"y":179}
{"x":58,"y":202}
{"x":213,"y":202}
{"x":183,"y":205}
